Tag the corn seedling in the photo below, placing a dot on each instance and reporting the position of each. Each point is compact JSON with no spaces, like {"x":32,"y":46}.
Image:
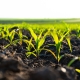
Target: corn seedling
{"x":58,"y":40}
{"x":39,"y":41}
{"x":21,"y":37}
{"x":29,"y":47}
{"x":10,"y":38}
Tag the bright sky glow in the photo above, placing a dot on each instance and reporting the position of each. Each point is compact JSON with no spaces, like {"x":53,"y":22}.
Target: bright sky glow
{"x":39,"y":8}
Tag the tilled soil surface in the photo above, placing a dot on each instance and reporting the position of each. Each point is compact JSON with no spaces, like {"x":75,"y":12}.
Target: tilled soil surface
{"x":14,"y":65}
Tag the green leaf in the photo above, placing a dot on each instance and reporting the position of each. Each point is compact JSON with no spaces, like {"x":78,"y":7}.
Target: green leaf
{"x":29,"y":43}
{"x":41,"y":42}
{"x":11,"y":35}
{"x":77,"y":70}
{"x":69,"y":43}
{"x":72,"y":61}
{"x":28,"y":54}
{"x":51,"y":52}
{"x":15,"y":42}
{"x":11,"y":43}
{"x":20,"y":34}
{"x":40,"y":35}
{"x":61,"y":56}
{"x":33,"y":34}
{"x":55,"y":36}
{"x":7,"y":46}
{"x":58,"y":47}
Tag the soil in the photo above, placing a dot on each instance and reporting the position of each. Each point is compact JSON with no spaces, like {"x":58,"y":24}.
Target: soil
{"x":14,"y":65}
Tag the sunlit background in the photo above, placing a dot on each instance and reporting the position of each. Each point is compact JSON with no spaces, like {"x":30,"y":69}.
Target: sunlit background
{"x":39,"y":8}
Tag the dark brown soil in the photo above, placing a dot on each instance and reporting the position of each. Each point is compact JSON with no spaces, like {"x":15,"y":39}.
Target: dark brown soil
{"x":14,"y":65}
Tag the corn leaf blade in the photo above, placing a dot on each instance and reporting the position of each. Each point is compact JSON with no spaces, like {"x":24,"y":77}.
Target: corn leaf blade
{"x":33,"y":34}
{"x":69,"y":43}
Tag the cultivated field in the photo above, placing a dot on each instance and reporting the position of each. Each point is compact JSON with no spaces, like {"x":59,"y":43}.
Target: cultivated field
{"x":33,"y":49}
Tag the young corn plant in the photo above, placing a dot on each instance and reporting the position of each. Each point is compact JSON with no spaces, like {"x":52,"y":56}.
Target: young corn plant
{"x":29,"y":47}
{"x":58,"y":40}
{"x":21,"y":37}
{"x":5,"y":34}
{"x":10,"y":37}
{"x":39,"y":41}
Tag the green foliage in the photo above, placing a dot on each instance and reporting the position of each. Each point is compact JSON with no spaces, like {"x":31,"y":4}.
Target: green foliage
{"x":77,"y":70}
{"x":10,"y":37}
{"x":39,"y":41}
{"x":58,"y":37}
{"x":21,"y":37}
{"x":58,"y":31}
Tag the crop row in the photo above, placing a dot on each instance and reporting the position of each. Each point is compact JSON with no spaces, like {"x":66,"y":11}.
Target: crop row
{"x":35,"y":44}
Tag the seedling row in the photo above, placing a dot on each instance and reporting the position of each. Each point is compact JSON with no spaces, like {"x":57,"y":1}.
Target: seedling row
{"x":34,"y":37}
